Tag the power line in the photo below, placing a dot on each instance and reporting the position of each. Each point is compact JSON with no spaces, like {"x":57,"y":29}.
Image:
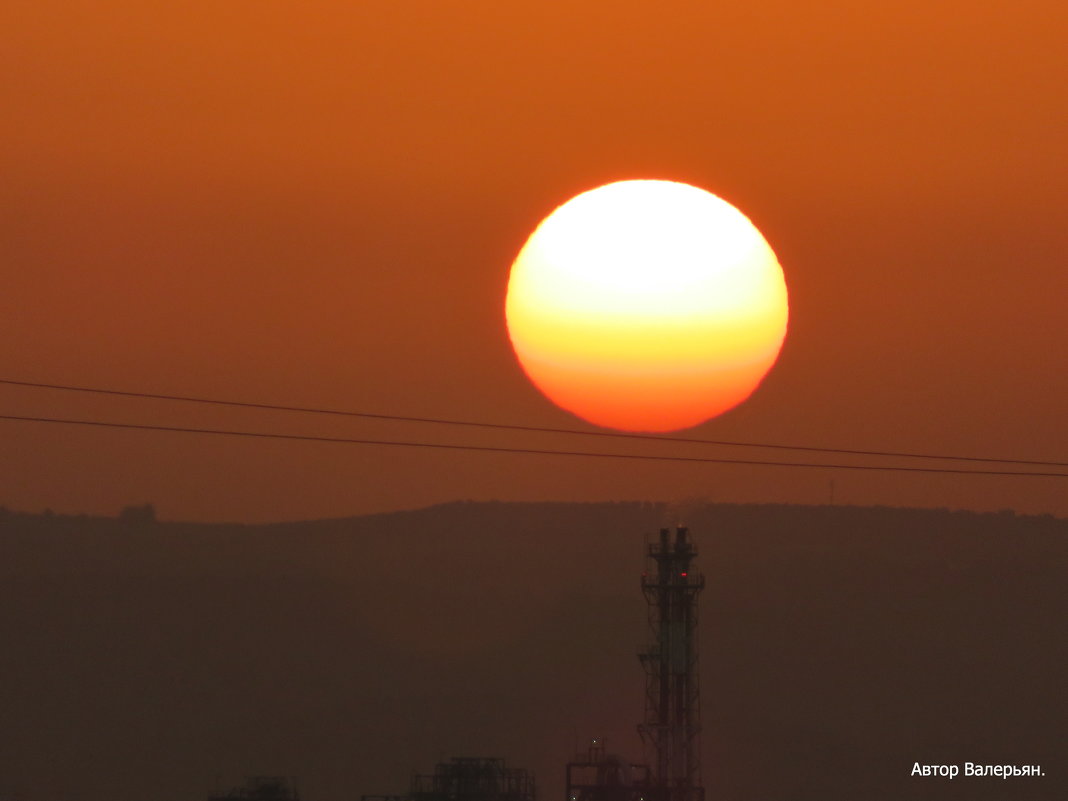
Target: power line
{"x":537,"y":451}
{"x":534,"y":429}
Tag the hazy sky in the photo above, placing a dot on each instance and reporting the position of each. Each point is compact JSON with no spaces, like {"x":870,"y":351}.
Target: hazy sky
{"x":318,"y":203}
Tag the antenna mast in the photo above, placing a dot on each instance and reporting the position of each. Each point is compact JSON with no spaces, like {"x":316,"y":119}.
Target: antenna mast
{"x":672,"y":696}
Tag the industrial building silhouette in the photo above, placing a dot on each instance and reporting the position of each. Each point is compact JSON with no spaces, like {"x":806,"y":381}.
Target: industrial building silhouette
{"x":670,"y":730}
{"x":262,"y":788}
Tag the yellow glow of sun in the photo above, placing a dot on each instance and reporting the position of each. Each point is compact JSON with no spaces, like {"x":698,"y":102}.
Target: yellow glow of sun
{"x":646,"y":306}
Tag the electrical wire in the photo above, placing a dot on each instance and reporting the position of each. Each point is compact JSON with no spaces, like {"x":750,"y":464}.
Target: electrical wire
{"x":534,"y":429}
{"x":538,"y":451}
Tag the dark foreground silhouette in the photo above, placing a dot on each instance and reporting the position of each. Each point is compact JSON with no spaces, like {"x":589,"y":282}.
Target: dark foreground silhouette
{"x":839,"y":646}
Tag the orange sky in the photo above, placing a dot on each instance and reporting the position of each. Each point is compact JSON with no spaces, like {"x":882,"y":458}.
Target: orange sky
{"x":319,"y":203}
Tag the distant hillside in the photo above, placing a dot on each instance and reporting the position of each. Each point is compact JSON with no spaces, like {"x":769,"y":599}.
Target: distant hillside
{"x":840,"y":645}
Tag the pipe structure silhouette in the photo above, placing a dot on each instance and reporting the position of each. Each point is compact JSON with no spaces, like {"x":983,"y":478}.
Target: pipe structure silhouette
{"x":672,"y":726}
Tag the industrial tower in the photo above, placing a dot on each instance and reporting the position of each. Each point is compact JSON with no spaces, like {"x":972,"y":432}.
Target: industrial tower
{"x":672,"y":724}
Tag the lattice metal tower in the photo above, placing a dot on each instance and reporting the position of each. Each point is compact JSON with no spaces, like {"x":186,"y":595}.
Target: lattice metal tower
{"x":672,"y":723}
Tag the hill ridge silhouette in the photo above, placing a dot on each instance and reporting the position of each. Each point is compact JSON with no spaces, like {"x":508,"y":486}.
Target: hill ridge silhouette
{"x":839,"y":645}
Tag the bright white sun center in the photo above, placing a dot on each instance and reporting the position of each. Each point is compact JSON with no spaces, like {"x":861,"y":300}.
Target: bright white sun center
{"x":654,"y":289}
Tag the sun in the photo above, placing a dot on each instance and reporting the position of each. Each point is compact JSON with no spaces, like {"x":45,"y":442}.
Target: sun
{"x":646,"y":305}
